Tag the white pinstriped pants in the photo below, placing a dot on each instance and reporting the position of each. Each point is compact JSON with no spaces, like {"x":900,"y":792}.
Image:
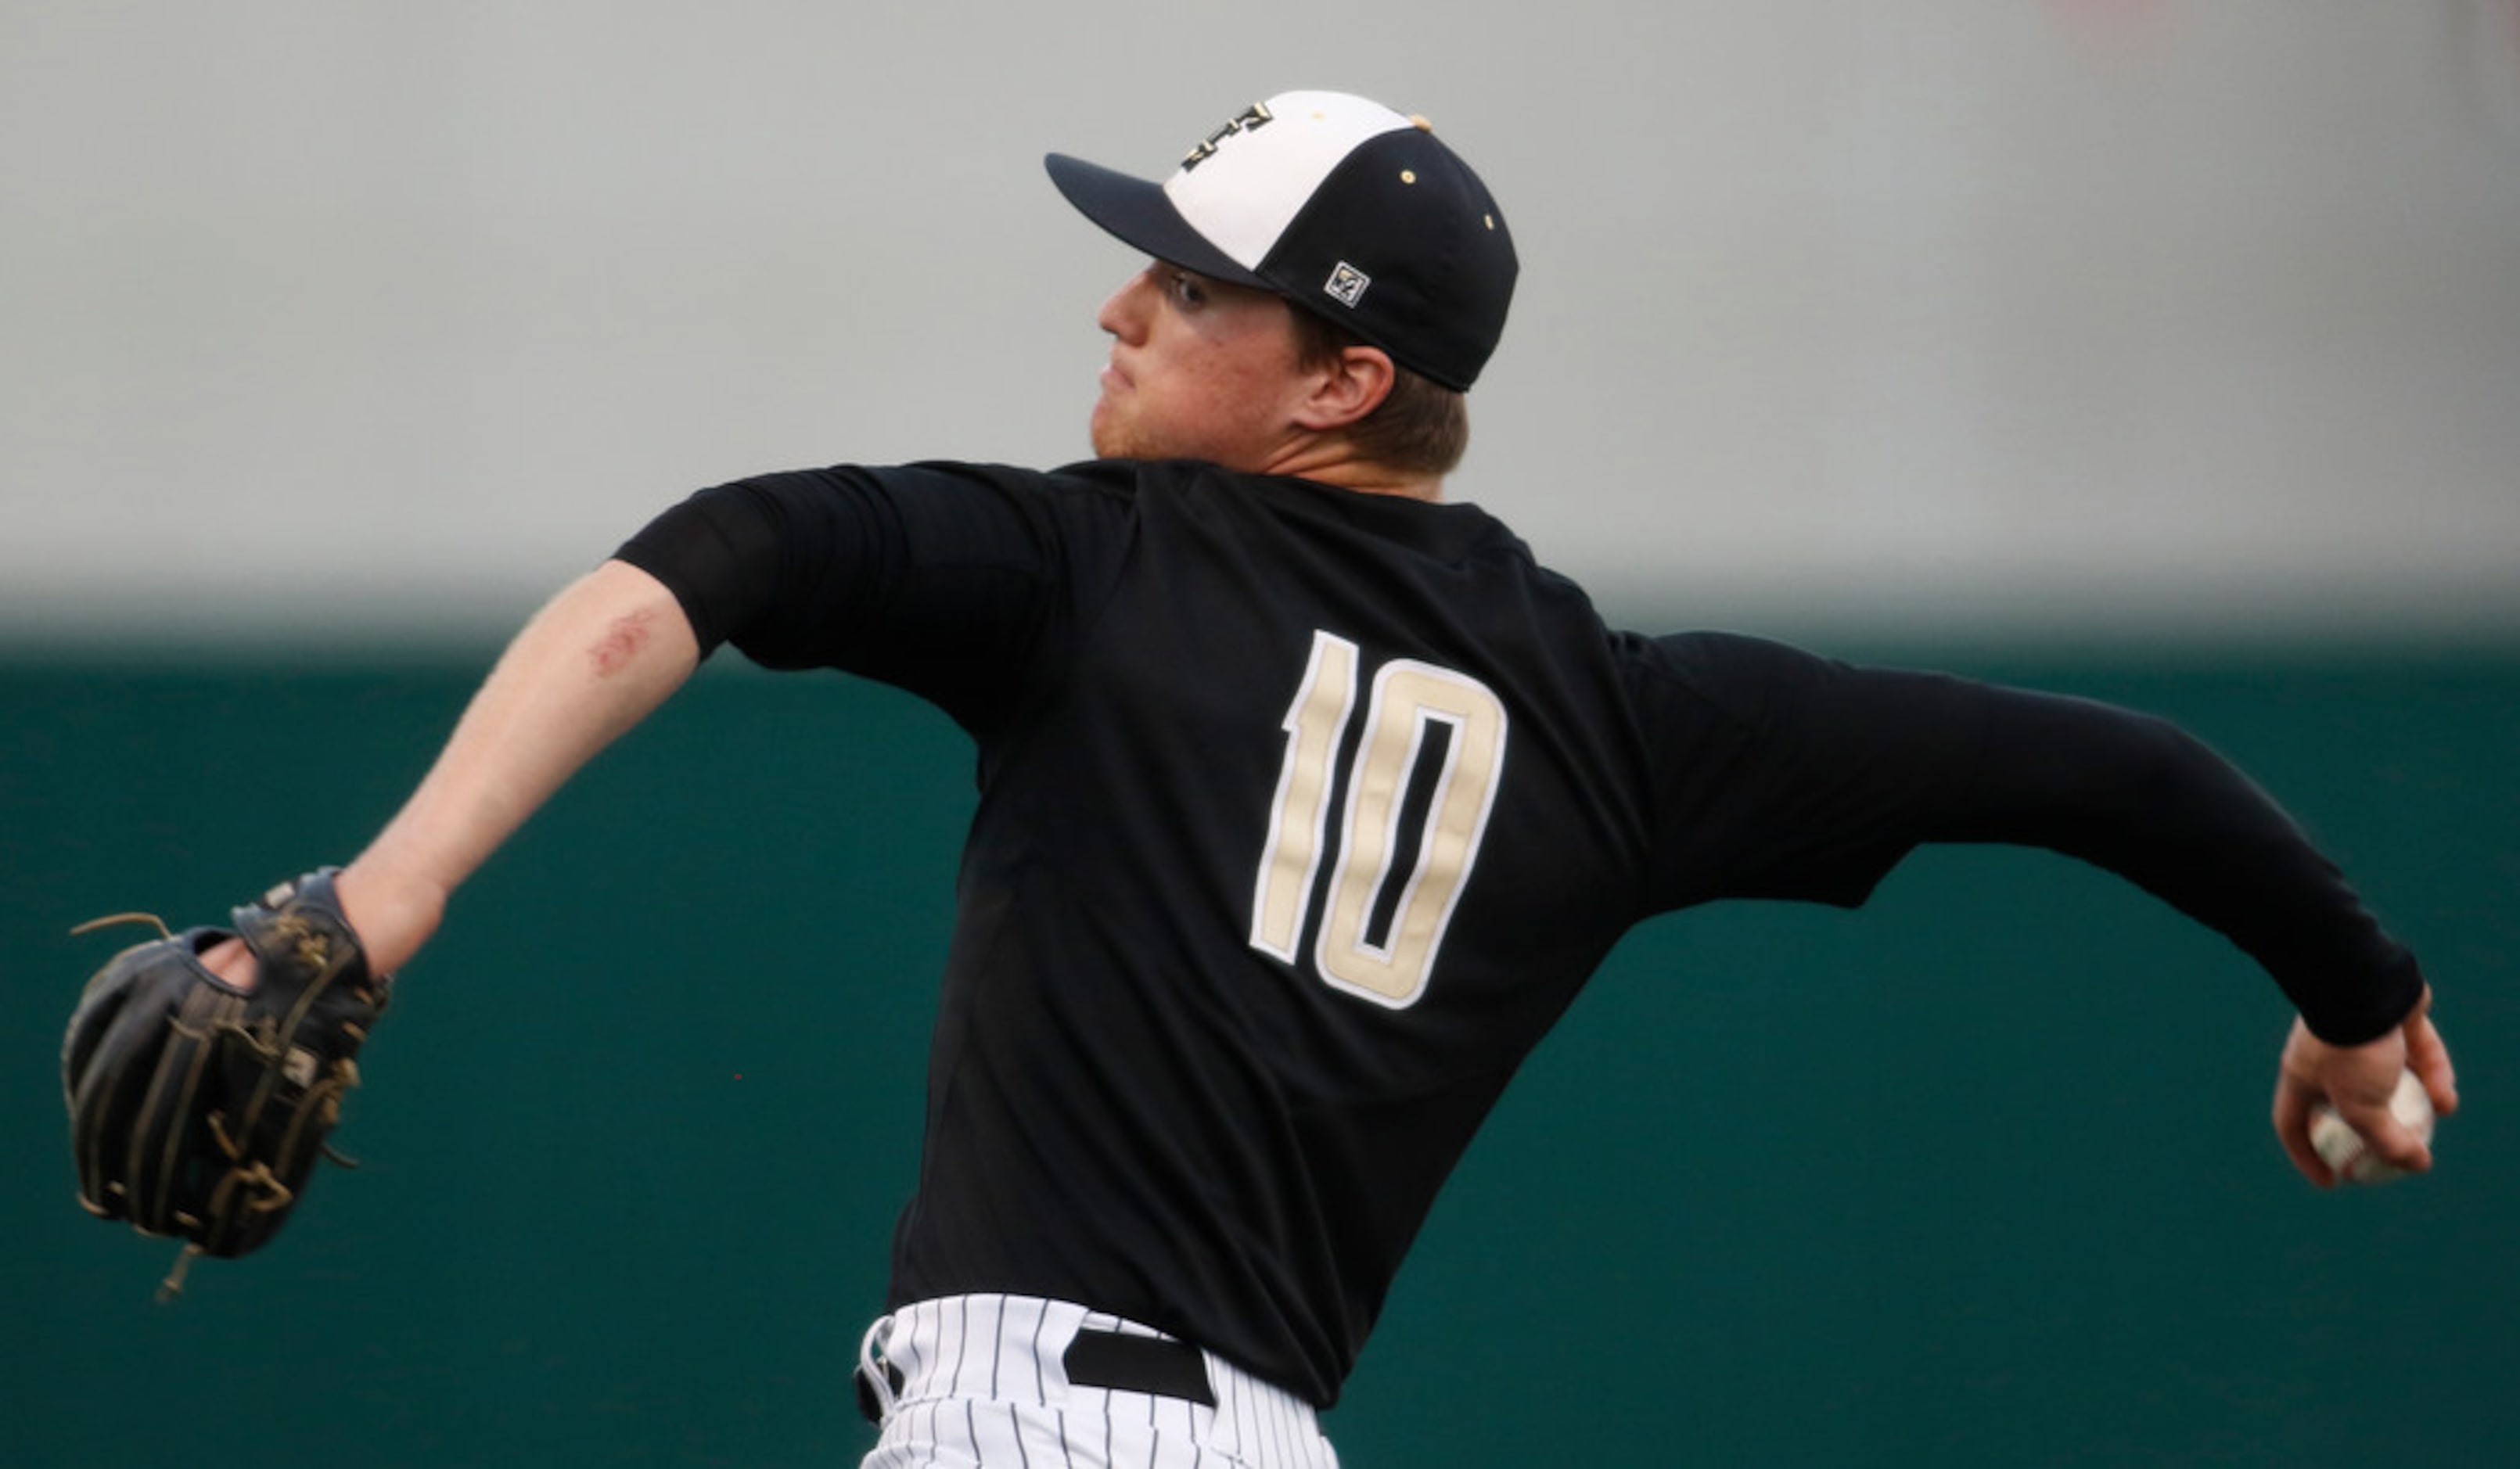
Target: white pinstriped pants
{"x":983,"y":1386}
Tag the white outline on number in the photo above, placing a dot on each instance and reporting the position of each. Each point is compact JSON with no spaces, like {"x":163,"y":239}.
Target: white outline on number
{"x":1393,"y":974}
{"x":1331,"y":669}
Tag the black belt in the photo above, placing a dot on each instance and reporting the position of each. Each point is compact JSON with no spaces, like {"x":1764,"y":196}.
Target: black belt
{"x":1112,"y":1360}
{"x":1138,"y":1365}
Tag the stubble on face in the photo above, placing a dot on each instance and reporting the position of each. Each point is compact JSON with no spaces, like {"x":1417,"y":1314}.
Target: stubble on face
{"x":1198,"y":370}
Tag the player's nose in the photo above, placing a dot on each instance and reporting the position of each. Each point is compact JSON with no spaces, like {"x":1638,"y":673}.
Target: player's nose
{"x":1124,"y":314}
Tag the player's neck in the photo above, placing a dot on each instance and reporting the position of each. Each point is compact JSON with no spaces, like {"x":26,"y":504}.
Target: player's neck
{"x":1430,"y":490}
{"x":1328,"y":461}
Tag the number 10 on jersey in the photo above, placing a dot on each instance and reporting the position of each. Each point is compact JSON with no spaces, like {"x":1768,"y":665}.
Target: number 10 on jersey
{"x":1420,"y":784}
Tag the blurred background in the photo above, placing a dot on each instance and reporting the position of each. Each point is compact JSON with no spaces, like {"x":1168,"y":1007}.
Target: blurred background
{"x":2160,"y":350}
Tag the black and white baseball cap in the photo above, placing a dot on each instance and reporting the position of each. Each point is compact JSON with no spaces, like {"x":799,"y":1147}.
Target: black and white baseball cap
{"x":1342,"y":205}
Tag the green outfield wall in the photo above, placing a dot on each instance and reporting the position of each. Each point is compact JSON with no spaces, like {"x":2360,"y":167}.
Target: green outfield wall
{"x":1979,"y":1175}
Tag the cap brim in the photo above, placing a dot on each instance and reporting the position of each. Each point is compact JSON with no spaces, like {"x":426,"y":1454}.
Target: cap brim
{"x":1140,"y":214}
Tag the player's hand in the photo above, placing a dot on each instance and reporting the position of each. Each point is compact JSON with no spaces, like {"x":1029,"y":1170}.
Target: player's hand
{"x":2357,"y":1081}
{"x":392,"y":915}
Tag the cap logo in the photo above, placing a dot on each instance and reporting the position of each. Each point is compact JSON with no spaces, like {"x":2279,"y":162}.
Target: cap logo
{"x":1292,"y":193}
{"x":1255,"y":116}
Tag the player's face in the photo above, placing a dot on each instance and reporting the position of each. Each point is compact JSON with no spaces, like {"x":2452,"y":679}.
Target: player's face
{"x":1199,"y":370}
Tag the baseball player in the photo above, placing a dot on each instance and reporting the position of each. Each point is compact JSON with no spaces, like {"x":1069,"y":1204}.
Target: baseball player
{"x":1308,"y":802}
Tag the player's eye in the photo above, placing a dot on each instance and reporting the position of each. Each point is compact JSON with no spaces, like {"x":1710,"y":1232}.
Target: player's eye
{"x":1187,"y":289}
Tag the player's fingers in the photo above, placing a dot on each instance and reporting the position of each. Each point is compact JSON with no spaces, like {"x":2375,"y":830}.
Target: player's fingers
{"x":231,"y":960}
{"x":2292,"y":1129}
{"x":2428,"y":1057}
{"x":2397,"y":1143}
{"x":2364,"y":1087}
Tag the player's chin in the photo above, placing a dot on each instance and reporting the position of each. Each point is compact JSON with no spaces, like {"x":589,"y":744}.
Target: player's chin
{"x":1112,"y":435}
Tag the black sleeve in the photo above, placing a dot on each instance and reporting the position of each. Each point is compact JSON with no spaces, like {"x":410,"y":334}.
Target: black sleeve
{"x":941,"y":579}
{"x":1815,"y":777}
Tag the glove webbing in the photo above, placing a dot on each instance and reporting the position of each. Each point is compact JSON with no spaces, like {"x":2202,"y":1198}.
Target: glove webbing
{"x":325,"y":1093}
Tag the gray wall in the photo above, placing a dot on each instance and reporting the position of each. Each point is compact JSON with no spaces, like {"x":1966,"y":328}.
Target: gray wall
{"x":2131,"y":314}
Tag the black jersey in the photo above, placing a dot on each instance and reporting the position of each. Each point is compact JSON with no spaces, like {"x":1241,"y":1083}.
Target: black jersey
{"x":1305,"y":812}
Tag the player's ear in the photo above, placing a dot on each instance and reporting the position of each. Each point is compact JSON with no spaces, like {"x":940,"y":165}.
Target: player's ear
{"x":1347,"y":387}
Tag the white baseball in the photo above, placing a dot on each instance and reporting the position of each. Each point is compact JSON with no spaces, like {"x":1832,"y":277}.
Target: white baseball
{"x":2344,"y":1148}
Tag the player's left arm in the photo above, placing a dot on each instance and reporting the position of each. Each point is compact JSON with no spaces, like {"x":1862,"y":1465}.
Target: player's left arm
{"x":593,"y":663}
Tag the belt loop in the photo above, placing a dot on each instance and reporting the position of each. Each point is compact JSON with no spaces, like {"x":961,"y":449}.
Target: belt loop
{"x":879,"y":1380}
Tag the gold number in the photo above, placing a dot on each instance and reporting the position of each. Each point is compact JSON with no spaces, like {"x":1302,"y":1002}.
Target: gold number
{"x":1409,"y":701}
{"x":1314,"y":722}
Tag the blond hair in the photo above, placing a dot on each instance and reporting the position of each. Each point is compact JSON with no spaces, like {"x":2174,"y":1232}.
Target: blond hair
{"x":1420,"y":428}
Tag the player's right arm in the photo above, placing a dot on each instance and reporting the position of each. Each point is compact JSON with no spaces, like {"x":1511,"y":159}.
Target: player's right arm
{"x":2358,"y":1082}
{"x":590,"y":665}
{"x":1830,"y":774}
